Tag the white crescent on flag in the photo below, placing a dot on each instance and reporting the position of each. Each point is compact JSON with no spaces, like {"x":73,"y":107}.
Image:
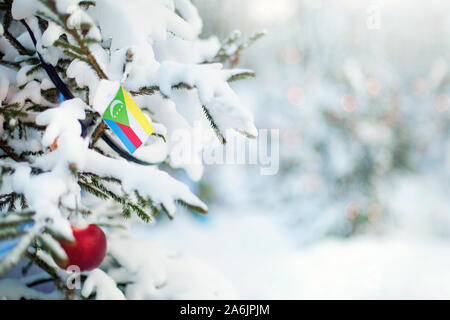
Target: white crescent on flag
{"x":113,"y":104}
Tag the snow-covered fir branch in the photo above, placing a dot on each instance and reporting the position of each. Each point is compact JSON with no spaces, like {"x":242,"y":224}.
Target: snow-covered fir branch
{"x":58,"y":160}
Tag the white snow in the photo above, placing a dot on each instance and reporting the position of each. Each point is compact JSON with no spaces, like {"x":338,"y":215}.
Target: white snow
{"x":16,"y":289}
{"x":213,"y":90}
{"x":189,"y":13}
{"x":84,"y":76}
{"x":149,"y":181}
{"x":104,"y":94}
{"x":66,"y":6}
{"x":51,"y":34}
{"x":160,"y":273}
{"x":62,"y":119}
{"x":258,"y":255}
{"x":62,"y":124}
{"x":154,"y":17}
{"x":102,"y":285}
{"x":22,"y":9}
{"x":43,"y":193}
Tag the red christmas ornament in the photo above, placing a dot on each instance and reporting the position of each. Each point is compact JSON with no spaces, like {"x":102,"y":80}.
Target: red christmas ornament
{"x":89,"y":248}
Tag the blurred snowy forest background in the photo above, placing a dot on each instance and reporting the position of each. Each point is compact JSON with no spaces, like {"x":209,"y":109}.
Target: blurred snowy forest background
{"x":360,"y":206}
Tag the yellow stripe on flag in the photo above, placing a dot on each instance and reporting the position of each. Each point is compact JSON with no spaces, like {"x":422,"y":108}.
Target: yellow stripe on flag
{"x":137,"y":113}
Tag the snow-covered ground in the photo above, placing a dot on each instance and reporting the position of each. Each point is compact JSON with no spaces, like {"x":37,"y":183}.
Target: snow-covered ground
{"x":256,"y":254}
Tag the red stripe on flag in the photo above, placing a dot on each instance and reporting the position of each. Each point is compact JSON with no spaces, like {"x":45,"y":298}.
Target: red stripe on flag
{"x":130,"y":134}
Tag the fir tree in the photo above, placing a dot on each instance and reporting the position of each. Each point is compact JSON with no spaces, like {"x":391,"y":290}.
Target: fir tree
{"x":61,"y":165}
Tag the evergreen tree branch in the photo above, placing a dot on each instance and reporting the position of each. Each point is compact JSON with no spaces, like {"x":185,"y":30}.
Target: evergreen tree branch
{"x":74,"y":55}
{"x":241,"y":76}
{"x":231,"y":51}
{"x":17,"y":252}
{"x":39,"y":281}
{"x":99,"y":130}
{"x":66,"y":45}
{"x":12,"y":219}
{"x":53,"y":272}
{"x":14,"y":42}
{"x":14,"y":65}
{"x":191,"y":207}
{"x":98,"y":189}
{"x":251,"y":40}
{"x":214,"y":125}
{"x":155,"y":89}
{"x":146,"y":91}
{"x":10,"y":151}
{"x":34,"y":69}
{"x":232,"y":38}
{"x":86,"y":4}
{"x":76,"y":36}
{"x":8,"y":232}
{"x":78,"y":53}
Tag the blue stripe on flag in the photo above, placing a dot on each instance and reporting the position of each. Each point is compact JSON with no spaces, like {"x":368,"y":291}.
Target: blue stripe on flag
{"x":114,"y":127}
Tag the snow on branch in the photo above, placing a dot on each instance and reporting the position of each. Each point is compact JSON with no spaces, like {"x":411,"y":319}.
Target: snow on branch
{"x":16,"y":289}
{"x":162,"y":273}
{"x":214,"y":92}
{"x":16,"y":253}
{"x":102,"y":285}
{"x":149,"y":181}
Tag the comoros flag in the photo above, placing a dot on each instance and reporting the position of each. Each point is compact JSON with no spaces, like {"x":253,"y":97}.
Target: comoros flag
{"x":127,"y":121}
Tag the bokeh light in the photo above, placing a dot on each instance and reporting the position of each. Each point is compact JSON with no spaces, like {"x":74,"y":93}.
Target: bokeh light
{"x":309,"y":183}
{"x":269,"y":11}
{"x":295,"y":95}
{"x":373,"y":86}
{"x":418,"y":85}
{"x":352,"y":210}
{"x":291,"y":138}
{"x":290,"y":55}
{"x":348,"y":103}
{"x":442,"y":103}
{"x":374,"y":211}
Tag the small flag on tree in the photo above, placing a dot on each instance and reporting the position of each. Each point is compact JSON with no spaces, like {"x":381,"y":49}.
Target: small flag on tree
{"x":127,"y":121}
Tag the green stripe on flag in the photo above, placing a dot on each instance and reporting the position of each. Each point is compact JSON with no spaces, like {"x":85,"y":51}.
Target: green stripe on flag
{"x":117,"y":110}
